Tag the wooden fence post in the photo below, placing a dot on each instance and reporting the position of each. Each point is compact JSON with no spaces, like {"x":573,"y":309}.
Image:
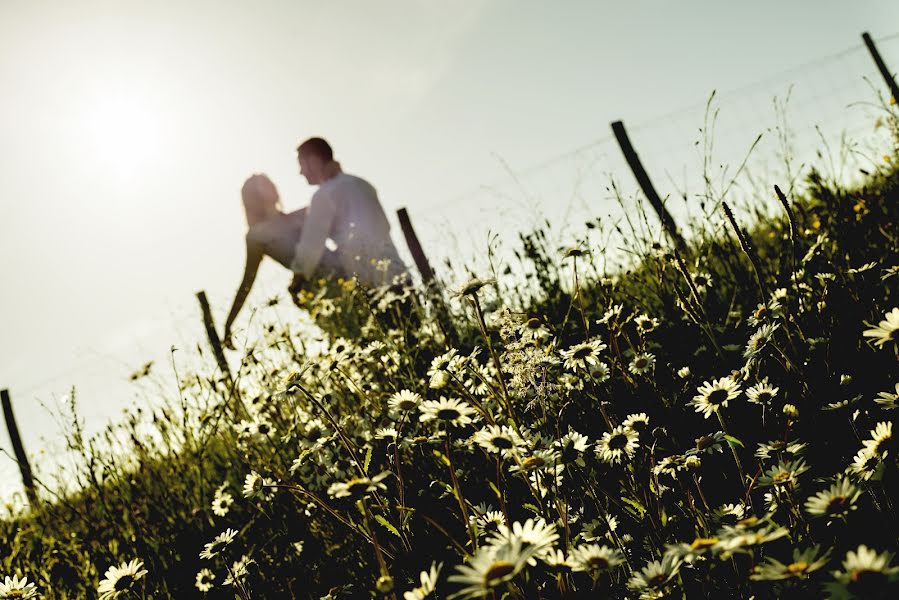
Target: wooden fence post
{"x":636,"y":166}
{"x":418,"y":255}
{"x":427,"y":277}
{"x":214,"y":340}
{"x":881,"y":66}
{"x":18,"y":449}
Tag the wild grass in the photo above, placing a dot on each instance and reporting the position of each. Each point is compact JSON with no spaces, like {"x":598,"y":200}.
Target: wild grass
{"x":707,"y":424}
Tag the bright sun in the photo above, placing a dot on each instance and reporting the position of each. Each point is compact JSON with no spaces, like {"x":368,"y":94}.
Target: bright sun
{"x":124,"y":133}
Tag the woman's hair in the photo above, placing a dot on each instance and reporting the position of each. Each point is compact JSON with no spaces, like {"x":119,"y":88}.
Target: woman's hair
{"x":260,"y":198}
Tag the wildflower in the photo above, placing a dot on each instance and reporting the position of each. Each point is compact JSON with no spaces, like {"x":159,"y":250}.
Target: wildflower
{"x":888,"y":400}
{"x":357,"y":486}
{"x":645,"y":323}
{"x":473,"y":286}
{"x":428,"y":583}
{"x":881,"y":440}
{"x":780,"y":449}
{"x":764,"y":312}
{"x":683,"y":372}
{"x":534,"y":534}
{"x":702,"y":280}
{"x":761,"y":393}
{"x":404,"y":401}
{"x":611,"y":315}
{"x":642,"y":363}
{"x":212,"y":549}
{"x":255,"y":485}
{"x":489,"y":520}
{"x":714,"y":396}
{"x":449,"y":410}
{"x":593,"y":557}
{"x":791,"y":411}
{"x":885,"y":331}
{"x":729,"y":514}
{"x":617,"y":444}
{"x":783,"y":473}
{"x":13,"y":587}
{"x":804,"y":562}
{"x":556,"y":559}
{"x":746,"y":534}
{"x":638,"y":422}
{"x":866,"y":572}
{"x":205,"y":579}
{"x":239,"y":570}
{"x":572,"y":445}
{"x":222,"y":502}
{"x":864,"y":464}
{"x":599,"y":372}
{"x":580,"y":356}
{"x":834,"y":502}
{"x":652,"y":579}
{"x":759,"y":339}
{"x":490,"y":567}
{"x":120,"y":580}
{"x":708,"y":444}
{"x":497,"y":439}
{"x":386,"y":433}
{"x":538,"y":459}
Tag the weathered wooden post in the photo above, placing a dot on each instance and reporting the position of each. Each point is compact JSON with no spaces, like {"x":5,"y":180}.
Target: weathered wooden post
{"x":214,"y":340}
{"x":427,"y":276}
{"x":418,"y":254}
{"x":881,"y":66}
{"x":636,"y":166}
{"x":18,"y":449}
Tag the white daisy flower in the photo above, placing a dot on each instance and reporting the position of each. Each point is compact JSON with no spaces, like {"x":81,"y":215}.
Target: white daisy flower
{"x":683,"y":372}
{"x":713,"y":396}
{"x":888,"y":400}
{"x":239,"y":570}
{"x":881,"y":440}
{"x":593,"y":557}
{"x":761,"y":393}
{"x":205,"y":580}
{"x":428,"y":581}
{"x":498,"y":439}
{"x":759,"y":339}
{"x":404,"y":401}
{"x":866,"y":572}
{"x":13,"y":587}
{"x":491,"y":567}
{"x":835,"y":502}
{"x":581,"y":356}
{"x":864,"y":465}
{"x":618,"y":444}
{"x":885,"y":331}
{"x":120,"y":580}
{"x":535,"y":534}
{"x":639,"y":422}
{"x":222,"y":502}
{"x":357,"y":486}
{"x":642,"y":363}
{"x":212,"y":549}
{"x":449,"y":410}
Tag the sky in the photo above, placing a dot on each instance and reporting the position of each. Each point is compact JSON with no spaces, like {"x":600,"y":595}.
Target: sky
{"x":127,"y":129}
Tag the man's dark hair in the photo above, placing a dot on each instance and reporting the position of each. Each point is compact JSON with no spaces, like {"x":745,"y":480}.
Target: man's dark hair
{"x":318,"y":147}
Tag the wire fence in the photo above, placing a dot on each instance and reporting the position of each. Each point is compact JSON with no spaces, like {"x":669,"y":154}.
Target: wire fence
{"x":825,"y":113}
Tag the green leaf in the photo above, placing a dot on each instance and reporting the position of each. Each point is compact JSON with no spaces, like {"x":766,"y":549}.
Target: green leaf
{"x":532,"y":508}
{"x":638,"y":507}
{"x":734,"y":441}
{"x":367,"y":460}
{"x":495,"y":489}
{"x":380,"y":519}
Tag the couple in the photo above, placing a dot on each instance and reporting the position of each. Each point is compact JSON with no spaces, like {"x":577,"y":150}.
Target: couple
{"x":344,"y":211}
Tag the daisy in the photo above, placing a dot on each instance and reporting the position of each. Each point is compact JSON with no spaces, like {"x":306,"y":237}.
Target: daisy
{"x":642,"y":363}
{"x":645,"y":323}
{"x":804,"y":562}
{"x":357,"y":486}
{"x":759,"y":339}
{"x":212,"y":549}
{"x":702,"y":280}
{"x":449,"y":410}
{"x":581,"y":356}
{"x":473,"y":286}
{"x":121,"y":579}
{"x":571,"y":446}
{"x":205,"y":579}
{"x":222,"y":502}
{"x":490,"y":567}
{"x":556,"y":559}
{"x":783,"y":473}
{"x":639,"y":422}
{"x":538,"y":459}
{"x":761,"y":393}
{"x":404,"y":401}
{"x":885,"y":331}
{"x":881,"y":440}
{"x":13,"y":587}
{"x":713,"y":396}
{"x":652,"y":579}
{"x":599,"y":372}
{"x":534,"y":534}
{"x":864,"y":465}
{"x":428,"y":583}
{"x":498,"y":439}
{"x":888,"y":400}
{"x":611,"y":315}
{"x":386,"y":433}
{"x":683,"y":372}
{"x":617,"y":444}
{"x":764,"y":312}
{"x":490,"y":520}
{"x":255,"y":486}
{"x":836,"y":501}
{"x":866,"y":572}
{"x":593,"y":557}
{"x":239,"y":570}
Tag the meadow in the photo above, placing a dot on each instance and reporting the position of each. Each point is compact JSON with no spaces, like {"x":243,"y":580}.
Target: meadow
{"x":713,"y":421}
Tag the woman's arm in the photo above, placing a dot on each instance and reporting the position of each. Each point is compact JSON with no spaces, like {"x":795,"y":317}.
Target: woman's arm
{"x":254,"y":257}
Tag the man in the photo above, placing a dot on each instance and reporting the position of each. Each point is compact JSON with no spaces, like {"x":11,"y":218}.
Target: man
{"x":346,"y":210}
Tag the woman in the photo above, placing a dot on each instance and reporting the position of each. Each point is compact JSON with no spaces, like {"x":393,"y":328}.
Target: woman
{"x":271,"y":232}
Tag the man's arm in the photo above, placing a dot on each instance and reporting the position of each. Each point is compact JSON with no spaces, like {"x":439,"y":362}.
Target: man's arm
{"x":316,"y":229}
